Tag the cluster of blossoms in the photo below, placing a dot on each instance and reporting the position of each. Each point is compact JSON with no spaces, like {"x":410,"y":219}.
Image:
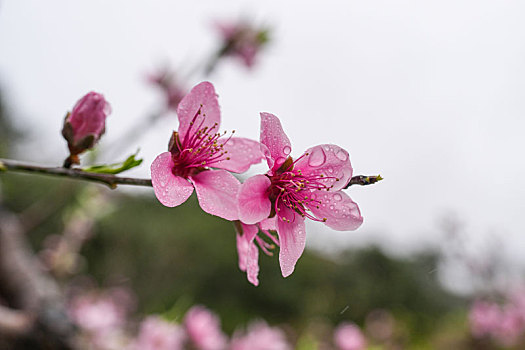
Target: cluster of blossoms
{"x":200,"y":157}
{"x":503,"y":323}
{"x":103,"y":318}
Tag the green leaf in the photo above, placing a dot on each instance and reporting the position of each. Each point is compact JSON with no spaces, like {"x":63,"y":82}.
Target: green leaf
{"x":115,"y":168}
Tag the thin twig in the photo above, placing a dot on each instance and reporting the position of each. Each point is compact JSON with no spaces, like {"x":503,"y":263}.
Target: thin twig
{"x":112,"y":181}
{"x":108,"y":179}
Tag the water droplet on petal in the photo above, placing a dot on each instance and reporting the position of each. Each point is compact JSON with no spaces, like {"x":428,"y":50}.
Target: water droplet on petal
{"x":317,"y":157}
{"x":332,"y":207}
{"x":342,"y":155}
{"x":338,"y":197}
{"x":287,"y":150}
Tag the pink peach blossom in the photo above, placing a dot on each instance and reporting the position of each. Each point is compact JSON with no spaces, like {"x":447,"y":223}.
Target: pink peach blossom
{"x":203,"y":329}
{"x":484,"y":318}
{"x":308,"y":187}
{"x":84,"y":126}
{"x":98,"y":312}
{"x":167,"y":82}
{"x":348,"y":336}
{"x":197,"y":147}
{"x":157,"y":334}
{"x":260,"y":336}
{"x":242,"y":40}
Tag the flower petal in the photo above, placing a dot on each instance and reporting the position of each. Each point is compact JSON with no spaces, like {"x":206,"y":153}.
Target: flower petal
{"x":241,"y":154}
{"x":201,"y":95}
{"x":217,"y":193}
{"x":253,"y":201}
{"x":331,"y":161}
{"x":252,"y":268}
{"x":248,"y":252}
{"x":170,"y":190}
{"x":341,"y":213}
{"x":274,"y":138}
{"x":269,"y":224}
{"x":292,"y":239}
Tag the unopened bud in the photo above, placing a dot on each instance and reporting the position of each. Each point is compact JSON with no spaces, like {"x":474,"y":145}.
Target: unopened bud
{"x":84,"y":126}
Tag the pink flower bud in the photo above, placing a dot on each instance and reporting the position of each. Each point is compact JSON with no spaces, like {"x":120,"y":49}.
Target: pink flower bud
{"x":84,"y":126}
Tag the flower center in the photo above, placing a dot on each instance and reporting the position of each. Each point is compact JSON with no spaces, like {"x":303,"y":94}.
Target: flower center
{"x":294,"y":189}
{"x":199,"y":148}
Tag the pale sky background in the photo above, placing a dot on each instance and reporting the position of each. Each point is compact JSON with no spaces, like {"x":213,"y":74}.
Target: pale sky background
{"x":430,"y":94}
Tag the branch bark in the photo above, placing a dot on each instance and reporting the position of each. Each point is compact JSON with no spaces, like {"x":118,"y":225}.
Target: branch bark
{"x":112,"y":180}
{"x":108,"y":179}
{"x":38,"y":306}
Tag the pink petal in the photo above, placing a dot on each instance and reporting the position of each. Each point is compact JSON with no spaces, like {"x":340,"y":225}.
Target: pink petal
{"x":242,"y":154}
{"x":274,"y":138}
{"x":244,"y":239}
{"x":292,"y":239}
{"x":269,"y":224}
{"x":254,"y":204}
{"x":252,"y":265}
{"x":331,"y":161}
{"x":341,"y":213}
{"x":248,"y":252}
{"x":201,"y":95}
{"x":170,"y":190}
{"x":217,"y":193}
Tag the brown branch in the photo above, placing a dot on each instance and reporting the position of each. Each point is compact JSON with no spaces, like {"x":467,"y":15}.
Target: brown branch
{"x":15,"y":322}
{"x":108,"y":179}
{"x":30,"y":289}
{"x":112,"y":180}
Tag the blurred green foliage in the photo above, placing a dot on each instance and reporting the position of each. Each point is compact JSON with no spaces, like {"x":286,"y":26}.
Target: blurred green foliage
{"x":175,"y":257}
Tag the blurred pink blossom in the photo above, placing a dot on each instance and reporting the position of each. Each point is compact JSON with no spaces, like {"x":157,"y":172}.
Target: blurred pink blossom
{"x":196,"y":147}
{"x":98,"y":312}
{"x":348,"y":336}
{"x":173,"y":89}
{"x":84,"y":126}
{"x":260,"y":337}
{"x":242,"y":40}
{"x":157,"y":334}
{"x":292,"y":190}
{"x":484,"y":318}
{"x":203,"y":329}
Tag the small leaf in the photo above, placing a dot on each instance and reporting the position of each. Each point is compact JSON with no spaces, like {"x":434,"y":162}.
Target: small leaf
{"x":115,"y":168}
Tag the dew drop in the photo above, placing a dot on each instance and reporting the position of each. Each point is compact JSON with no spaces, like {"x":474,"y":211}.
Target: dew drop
{"x":338,"y":197}
{"x":332,"y":207}
{"x":342,"y":155}
{"x":287,"y":150}
{"x":317,"y":157}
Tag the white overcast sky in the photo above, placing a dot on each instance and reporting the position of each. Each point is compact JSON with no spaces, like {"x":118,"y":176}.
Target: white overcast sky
{"x":428,"y":93}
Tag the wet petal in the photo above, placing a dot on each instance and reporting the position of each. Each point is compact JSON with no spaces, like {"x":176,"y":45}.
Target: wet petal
{"x":331,"y":161}
{"x":254,"y":204}
{"x":202,"y":94}
{"x":269,"y":224}
{"x":217,"y":193}
{"x":170,"y":190}
{"x":274,"y":138}
{"x":341,"y":213}
{"x":292,"y":239}
{"x":241,"y":153}
{"x":248,"y":252}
